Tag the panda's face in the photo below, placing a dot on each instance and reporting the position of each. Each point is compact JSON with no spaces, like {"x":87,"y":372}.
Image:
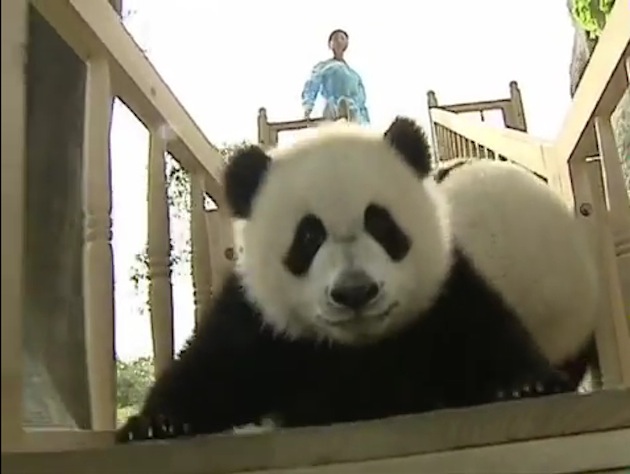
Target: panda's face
{"x":344,"y":240}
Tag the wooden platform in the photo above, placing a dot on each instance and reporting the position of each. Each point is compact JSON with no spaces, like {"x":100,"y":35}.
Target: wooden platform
{"x":559,"y":434}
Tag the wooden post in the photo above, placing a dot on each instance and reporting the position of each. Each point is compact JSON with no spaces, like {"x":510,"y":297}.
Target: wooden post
{"x":200,"y":258}
{"x":98,"y":269}
{"x":159,"y":250}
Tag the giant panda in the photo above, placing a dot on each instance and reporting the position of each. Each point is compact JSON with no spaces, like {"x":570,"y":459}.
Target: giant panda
{"x":349,"y":301}
{"x":522,"y":237}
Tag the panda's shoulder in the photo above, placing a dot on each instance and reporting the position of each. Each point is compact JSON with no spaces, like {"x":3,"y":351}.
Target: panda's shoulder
{"x":465,"y":291}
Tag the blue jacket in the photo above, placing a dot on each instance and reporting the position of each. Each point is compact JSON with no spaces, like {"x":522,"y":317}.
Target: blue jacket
{"x":335,"y":80}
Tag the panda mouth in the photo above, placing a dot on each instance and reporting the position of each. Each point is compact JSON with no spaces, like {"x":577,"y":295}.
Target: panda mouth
{"x":359,"y":318}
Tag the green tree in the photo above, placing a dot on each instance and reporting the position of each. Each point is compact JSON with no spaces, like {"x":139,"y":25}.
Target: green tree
{"x":592,"y":14}
{"x":178,"y":193}
{"x":134,"y":379}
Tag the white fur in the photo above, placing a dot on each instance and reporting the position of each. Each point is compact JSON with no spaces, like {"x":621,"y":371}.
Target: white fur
{"x":335,"y":175}
{"x":528,"y":244}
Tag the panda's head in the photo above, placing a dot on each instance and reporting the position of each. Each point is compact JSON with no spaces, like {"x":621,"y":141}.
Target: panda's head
{"x":344,"y":235}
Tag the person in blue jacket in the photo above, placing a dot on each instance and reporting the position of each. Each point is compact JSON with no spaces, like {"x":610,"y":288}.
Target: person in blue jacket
{"x":340,"y":85}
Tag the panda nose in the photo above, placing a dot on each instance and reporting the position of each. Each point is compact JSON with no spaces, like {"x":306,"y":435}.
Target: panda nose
{"x":354,"y":290}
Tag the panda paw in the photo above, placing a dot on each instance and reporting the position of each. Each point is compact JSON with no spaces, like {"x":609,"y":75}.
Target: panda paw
{"x":550,"y":384}
{"x":145,"y":428}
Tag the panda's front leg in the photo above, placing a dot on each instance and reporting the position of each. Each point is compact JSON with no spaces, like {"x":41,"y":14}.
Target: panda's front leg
{"x":522,"y":371}
{"x":505,"y":363}
{"x":196,"y":396}
{"x":222,"y":379}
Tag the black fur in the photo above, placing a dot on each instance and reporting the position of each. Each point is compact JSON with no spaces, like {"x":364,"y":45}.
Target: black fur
{"x":380,"y":224}
{"x":444,"y":169}
{"x":410,"y":140}
{"x":310,"y":235}
{"x":467,"y":349}
{"x":243,"y":176}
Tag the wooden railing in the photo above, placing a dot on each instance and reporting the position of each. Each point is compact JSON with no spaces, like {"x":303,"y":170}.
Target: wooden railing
{"x":117,"y":68}
{"x":583,"y":165}
{"x":268,"y":131}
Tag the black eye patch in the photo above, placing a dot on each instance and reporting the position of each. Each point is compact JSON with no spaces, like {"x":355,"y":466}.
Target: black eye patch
{"x":380,"y":224}
{"x":310,"y":235}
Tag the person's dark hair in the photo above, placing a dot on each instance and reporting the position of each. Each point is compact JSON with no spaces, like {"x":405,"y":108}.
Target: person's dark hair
{"x":334,"y":32}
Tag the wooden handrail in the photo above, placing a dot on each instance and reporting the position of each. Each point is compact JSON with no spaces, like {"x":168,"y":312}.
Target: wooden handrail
{"x":292,"y":125}
{"x":93,"y":28}
{"x":516,"y":146}
{"x":601,"y":87}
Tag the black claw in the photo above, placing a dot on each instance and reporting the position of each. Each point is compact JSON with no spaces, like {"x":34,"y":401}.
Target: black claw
{"x":141,"y":428}
{"x":548,"y":384}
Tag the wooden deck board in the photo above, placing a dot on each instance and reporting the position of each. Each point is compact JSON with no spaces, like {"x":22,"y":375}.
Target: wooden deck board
{"x":554,"y":416}
{"x":599,"y":453}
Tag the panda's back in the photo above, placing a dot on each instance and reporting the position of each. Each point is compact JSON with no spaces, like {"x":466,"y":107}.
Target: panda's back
{"x":524,"y":239}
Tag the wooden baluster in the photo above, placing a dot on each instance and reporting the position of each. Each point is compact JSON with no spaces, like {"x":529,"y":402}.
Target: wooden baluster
{"x":264,"y":131}
{"x":98,"y":268}
{"x":467,"y":148}
{"x":474,"y":149}
{"x":618,"y":202}
{"x":159,"y":248}
{"x":439,"y":142}
{"x":516,"y":106}
{"x":14,"y":38}
{"x":452,"y":148}
{"x":585,"y":180}
{"x":200,"y":260}
{"x":458,"y":146}
{"x":443,"y":140}
{"x":446,"y":143}
{"x":431,"y":103}
{"x":220,"y":262}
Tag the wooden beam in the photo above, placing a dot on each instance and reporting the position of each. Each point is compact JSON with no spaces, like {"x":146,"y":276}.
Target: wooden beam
{"x":468,"y":107}
{"x":446,"y":430}
{"x":601,"y":87}
{"x":92,"y":28}
{"x":53,"y":439}
{"x":14,"y":40}
{"x":292,"y":125}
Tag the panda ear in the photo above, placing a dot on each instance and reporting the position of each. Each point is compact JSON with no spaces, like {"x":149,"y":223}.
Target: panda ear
{"x":410,"y":140}
{"x":242,"y":178}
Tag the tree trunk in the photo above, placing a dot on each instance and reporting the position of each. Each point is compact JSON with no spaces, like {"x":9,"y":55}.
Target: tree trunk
{"x":55,"y":383}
